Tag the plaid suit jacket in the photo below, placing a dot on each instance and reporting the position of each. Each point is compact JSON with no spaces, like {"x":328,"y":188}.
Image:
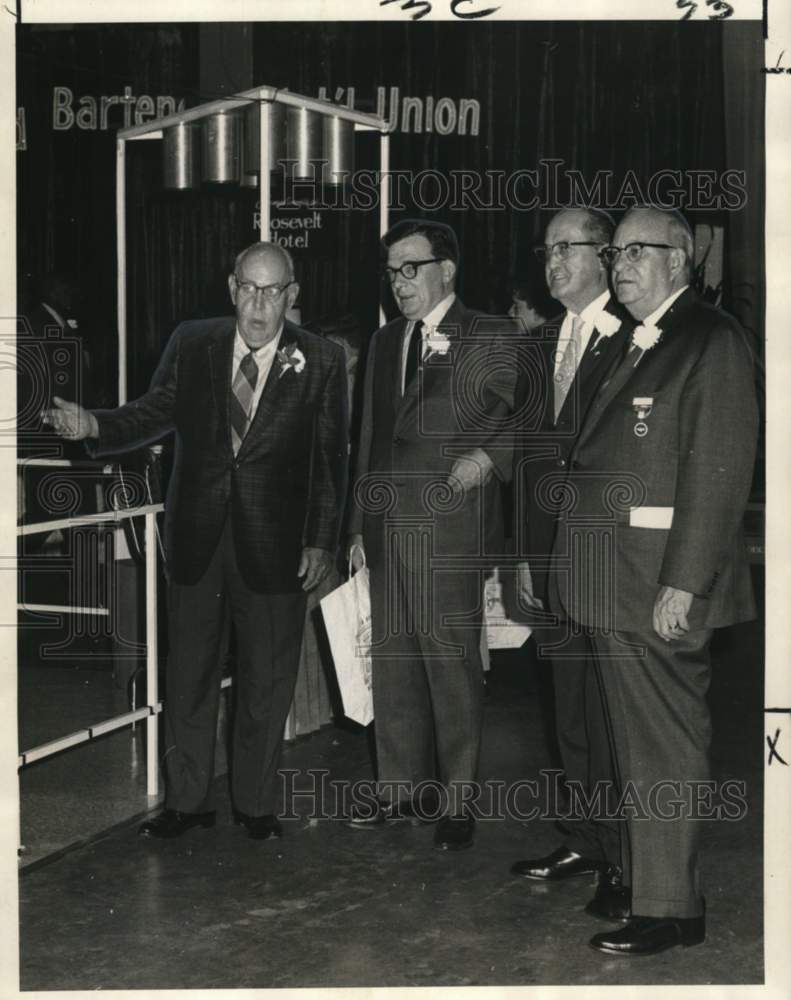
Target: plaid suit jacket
{"x":286,"y":486}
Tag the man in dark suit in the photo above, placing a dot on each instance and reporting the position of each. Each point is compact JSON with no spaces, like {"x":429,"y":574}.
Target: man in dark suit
{"x":570,"y":356}
{"x":252,"y":518}
{"x":661,"y":474}
{"x":438,"y":394}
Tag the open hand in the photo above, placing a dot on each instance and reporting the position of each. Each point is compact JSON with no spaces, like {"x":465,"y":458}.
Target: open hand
{"x":70,"y":420}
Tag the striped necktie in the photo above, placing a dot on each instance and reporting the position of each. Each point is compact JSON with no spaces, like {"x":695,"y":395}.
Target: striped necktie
{"x":567,"y":368}
{"x":242,"y":399}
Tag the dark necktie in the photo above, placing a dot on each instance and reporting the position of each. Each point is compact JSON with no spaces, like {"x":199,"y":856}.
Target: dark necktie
{"x":242,"y":399}
{"x":413,"y":353}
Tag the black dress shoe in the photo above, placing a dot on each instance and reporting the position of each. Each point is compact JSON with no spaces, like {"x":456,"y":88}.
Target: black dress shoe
{"x":367,"y":816}
{"x":557,"y":866}
{"x":260,"y":827}
{"x":454,"y":833}
{"x":649,"y":935}
{"x":612,"y":899}
{"x":172,"y":823}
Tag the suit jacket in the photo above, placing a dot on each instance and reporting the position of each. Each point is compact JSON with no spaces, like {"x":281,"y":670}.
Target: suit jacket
{"x":283,"y":490}
{"x":543,"y":445}
{"x":674,"y":436}
{"x":459,"y":401}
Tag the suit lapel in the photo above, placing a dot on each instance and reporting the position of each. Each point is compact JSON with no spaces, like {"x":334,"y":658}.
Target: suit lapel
{"x":619,"y":374}
{"x":221,"y":373}
{"x":451,"y":326}
{"x":278,"y":381}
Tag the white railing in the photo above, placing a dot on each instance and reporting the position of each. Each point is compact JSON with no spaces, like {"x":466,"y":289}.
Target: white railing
{"x":148,"y":712}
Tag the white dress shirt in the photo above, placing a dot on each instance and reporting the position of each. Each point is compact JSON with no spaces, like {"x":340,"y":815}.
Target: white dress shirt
{"x":263,"y":357}
{"x":430,"y":322}
{"x":657,"y":314}
{"x":589,"y":315}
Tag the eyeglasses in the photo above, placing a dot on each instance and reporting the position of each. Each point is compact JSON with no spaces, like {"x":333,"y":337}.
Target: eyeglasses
{"x":561,"y":250}
{"x":270,"y":292}
{"x":632,"y":251}
{"x":408,"y":269}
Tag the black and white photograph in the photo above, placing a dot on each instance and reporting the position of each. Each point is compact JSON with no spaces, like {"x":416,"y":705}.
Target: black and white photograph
{"x":395,"y":467}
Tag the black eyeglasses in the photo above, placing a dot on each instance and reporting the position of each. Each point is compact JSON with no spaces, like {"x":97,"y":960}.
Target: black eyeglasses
{"x":270,"y":292}
{"x":408,"y":269}
{"x":561,"y":250}
{"x":632,"y":251}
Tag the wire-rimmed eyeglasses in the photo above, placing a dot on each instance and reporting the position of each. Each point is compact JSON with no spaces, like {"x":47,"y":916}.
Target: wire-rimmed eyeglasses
{"x":561,"y":250}
{"x":270,"y":292}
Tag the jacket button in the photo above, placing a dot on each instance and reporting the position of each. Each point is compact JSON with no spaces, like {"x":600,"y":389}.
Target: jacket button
{"x":398,"y":440}
{"x":561,"y":463}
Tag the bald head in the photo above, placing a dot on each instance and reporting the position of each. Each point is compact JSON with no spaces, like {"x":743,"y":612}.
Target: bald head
{"x":262,"y":289}
{"x":643,"y":285}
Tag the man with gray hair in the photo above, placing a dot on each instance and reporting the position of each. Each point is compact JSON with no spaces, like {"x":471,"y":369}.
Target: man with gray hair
{"x":661,"y":473}
{"x":567,"y":359}
{"x":258,"y":406}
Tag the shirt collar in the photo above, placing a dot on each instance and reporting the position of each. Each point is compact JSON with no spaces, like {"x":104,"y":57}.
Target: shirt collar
{"x":437,"y":314}
{"x":240,"y":348}
{"x":591,"y":311}
{"x":656,"y":315}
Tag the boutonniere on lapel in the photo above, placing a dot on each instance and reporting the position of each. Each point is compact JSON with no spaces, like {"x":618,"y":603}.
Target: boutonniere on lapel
{"x":290,"y":357}
{"x":642,"y":406}
{"x":606,"y":326}
{"x":437,"y":344}
{"x":646,"y":337}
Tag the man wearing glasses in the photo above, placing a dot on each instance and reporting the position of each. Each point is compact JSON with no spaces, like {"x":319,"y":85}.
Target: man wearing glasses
{"x":570,"y":356}
{"x":438,"y":394}
{"x":663,"y":464}
{"x":258,"y":406}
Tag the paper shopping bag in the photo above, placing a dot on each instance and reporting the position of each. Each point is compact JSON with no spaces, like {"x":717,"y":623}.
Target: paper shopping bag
{"x":347,"y":617}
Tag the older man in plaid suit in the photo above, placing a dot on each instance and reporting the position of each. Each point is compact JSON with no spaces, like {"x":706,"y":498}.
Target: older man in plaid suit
{"x":258,"y":406}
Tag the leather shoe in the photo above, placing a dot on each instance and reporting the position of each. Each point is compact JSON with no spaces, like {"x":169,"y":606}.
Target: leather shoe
{"x":612,"y":899}
{"x":650,"y":935}
{"x":454,"y":833}
{"x":557,"y":866}
{"x":171,"y":823}
{"x":260,"y":827}
{"x":367,"y":816}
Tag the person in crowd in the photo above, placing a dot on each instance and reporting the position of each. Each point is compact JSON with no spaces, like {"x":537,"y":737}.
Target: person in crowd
{"x":572,"y":353}
{"x":426,"y":510}
{"x":531,"y":303}
{"x":258,"y":406}
{"x":661,"y":472}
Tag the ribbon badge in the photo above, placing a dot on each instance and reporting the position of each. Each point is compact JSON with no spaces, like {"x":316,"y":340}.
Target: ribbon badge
{"x":642,"y":406}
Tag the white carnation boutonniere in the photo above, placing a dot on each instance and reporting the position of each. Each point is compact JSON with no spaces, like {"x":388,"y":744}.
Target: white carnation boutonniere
{"x":606,"y":325}
{"x":72,"y":324}
{"x":438,"y":344}
{"x":646,"y":337}
{"x":290,"y":357}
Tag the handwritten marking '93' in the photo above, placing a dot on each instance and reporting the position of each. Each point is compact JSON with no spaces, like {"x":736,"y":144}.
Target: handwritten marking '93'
{"x":423,"y":7}
{"x":720,"y":8}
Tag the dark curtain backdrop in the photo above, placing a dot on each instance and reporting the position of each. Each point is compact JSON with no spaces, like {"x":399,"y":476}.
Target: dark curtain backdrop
{"x":598,"y":96}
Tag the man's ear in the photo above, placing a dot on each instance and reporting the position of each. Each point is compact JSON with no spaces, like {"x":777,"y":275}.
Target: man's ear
{"x":293,"y":292}
{"x":232,"y":288}
{"x":448,"y":271}
{"x":678,"y":259}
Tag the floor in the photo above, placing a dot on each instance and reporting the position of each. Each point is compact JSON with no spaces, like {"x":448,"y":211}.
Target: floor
{"x":328,"y":906}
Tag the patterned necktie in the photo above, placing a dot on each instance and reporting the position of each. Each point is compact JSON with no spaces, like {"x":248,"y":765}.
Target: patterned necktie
{"x":413,"y":353}
{"x":242,"y":399}
{"x":567,"y":368}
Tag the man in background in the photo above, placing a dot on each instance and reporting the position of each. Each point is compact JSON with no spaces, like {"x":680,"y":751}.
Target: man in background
{"x":572,"y":353}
